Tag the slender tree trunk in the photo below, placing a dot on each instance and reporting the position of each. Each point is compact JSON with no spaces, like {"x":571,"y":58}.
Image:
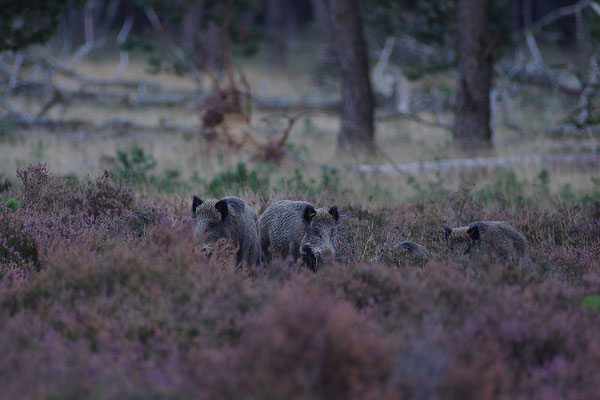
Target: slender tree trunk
{"x":321,"y":15}
{"x":583,"y":48}
{"x":472,"y":115}
{"x":190,"y":25}
{"x":357,"y":132}
{"x":276,"y":23}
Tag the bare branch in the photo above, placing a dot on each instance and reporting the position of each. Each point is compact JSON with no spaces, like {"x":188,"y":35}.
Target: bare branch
{"x":57,"y":98}
{"x":121,"y":38}
{"x":474,"y":163}
{"x":14,"y":73}
{"x":416,"y":118}
{"x":557,"y":14}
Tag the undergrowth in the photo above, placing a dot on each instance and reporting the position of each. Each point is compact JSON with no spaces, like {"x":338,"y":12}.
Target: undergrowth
{"x":104,"y":295}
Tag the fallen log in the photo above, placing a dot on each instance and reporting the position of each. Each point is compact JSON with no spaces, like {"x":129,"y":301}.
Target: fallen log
{"x":590,"y":159}
{"x":114,"y":125}
{"x":548,"y":78}
{"x":139,"y":99}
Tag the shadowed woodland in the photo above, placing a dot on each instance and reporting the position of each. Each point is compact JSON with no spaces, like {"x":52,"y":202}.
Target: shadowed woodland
{"x":407,"y":115}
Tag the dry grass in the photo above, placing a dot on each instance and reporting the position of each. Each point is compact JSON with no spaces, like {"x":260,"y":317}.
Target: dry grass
{"x":86,"y":153}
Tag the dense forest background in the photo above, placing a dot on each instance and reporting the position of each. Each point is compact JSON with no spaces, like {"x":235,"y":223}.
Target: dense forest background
{"x":370,"y":52}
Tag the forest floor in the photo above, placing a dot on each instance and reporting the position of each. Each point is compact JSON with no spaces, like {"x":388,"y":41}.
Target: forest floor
{"x":88,"y":152}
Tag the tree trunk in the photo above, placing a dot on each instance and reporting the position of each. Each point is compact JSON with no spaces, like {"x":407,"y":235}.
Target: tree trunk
{"x":582,"y":45}
{"x":472,"y":115}
{"x":190,"y":24}
{"x":357,"y":132}
{"x":277,"y":30}
{"x":321,"y":14}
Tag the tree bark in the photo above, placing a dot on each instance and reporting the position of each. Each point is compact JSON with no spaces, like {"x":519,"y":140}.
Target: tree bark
{"x":357,"y":132}
{"x":321,"y":15}
{"x":190,"y":25}
{"x":472,"y":114}
{"x":277,"y":31}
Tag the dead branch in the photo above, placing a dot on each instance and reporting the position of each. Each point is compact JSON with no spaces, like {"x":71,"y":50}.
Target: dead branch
{"x":557,"y":14}
{"x":140,"y":99}
{"x":108,"y":126}
{"x":544,"y":77}
{"x":416,"y":118}
{"x":14,"y":73}
{"x":57,"y":98}
{"x":324,"y":103}
{"x":473,"y":163}
{"x":384,"y":83}
{"x":121,"y":38}
{"x":12,"y":110}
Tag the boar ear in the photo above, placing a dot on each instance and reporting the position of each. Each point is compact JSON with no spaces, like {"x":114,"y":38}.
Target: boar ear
{"x":333,"y":211}
{"x":473,"y":232}
{"x":195,"y":203}
{"x":309,"y":213}
{"x":447,"y":230}
{"x":409,"y":246}
{"x":221,"y":206}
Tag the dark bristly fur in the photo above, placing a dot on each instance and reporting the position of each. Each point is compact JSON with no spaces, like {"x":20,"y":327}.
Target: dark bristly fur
{"x":496,"y":237}
{"x":295,"y":228}
{"x":416,"y":251}
{"x":231,"y":219}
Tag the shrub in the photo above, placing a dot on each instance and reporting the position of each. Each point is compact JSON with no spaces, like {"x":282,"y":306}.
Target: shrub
{"x":98,"y":284}
{"x":10,"y":203}
{"x":236,"y":180}
{"x":134,"y":164}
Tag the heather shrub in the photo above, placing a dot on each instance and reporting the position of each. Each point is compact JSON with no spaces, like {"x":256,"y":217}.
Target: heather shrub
{"x":16,"y":244}
{"x":103,"y":294}
{"x":55,"y":212}
{"x":307,"y":344}
{"x":107,"y":197}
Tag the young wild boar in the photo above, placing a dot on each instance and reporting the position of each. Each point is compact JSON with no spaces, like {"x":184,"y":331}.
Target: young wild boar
{"x":497,"y":237}
{"x":416,"y":252}
{"x":231,"y":219}
{"x":295,"y":228}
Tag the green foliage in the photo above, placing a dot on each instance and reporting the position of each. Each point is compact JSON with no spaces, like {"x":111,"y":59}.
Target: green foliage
{"x":592,"y":22}
{"x":591,"y":302}
{"x":135,"y":166}
{"x":297,"y":184}
{"x":428,"y":21}
{"x":235,"y":19}
{"x":504,"y":191}
{"x":38,"y":149}
{"x":27,"y":22}
{"x":134,"y":42}
{"x":234,"y":181}
{"x":592,"y":195}
{"x":10,"y":203}
{"x":330,"y":182}
{"x":430,"y":190}
{"x":541,"y":183}
{"x":432,"y":22}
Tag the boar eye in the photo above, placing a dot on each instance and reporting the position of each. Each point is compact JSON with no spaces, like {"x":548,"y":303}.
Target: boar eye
{"x":211,"y":225}
{"x":318,"y":232}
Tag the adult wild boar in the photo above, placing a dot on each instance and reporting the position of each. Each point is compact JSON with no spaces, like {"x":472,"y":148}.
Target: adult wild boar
{"x":295,"y":229}
{"x":231,"y":219}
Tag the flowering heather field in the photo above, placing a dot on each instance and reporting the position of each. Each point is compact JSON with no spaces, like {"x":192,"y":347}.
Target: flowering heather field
{"x":103,"y":295}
